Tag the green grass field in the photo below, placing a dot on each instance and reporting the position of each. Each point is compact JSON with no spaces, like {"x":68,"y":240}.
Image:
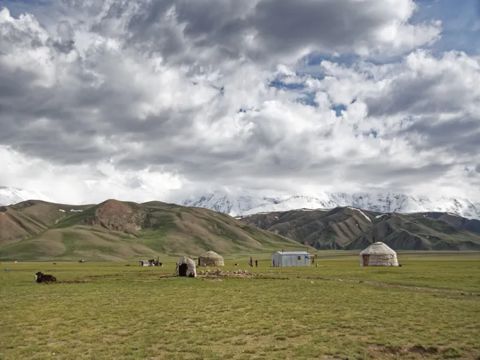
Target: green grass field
{"x":428,"y":308}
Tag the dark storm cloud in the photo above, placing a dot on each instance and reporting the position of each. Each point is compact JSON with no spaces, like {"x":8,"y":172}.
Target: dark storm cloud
{"x":384,"y":171}
{"x":259,"y":29}
{"x":284,"y":26}
{"x":152,"y":29}
{"x":455,"y":136}
{"x":420,"y":95}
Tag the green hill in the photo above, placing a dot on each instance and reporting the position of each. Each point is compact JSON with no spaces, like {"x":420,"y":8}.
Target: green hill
{"x":350,"y":228}
{"x":115,"y":230}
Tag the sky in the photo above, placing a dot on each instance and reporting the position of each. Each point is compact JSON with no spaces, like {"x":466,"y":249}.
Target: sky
{"x":144,"y":100}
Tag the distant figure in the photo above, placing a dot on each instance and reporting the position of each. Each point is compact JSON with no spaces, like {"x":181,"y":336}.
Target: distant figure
{"x":44,"y":278}
{"x":256,"y":263}
{"x":157,"y":262}
{"x":236,"y":264}
{"x":250,"y":262}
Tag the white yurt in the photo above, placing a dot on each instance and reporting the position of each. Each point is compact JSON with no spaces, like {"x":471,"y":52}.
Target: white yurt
{"x":290,"y":258}
{"x":378,"y":254}
{"x":210,"y":258}
{"x":186,"y":267}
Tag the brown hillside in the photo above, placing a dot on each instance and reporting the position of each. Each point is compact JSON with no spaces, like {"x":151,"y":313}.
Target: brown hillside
{"x":118,"y":216}
{"x":15,"y":226}
{"x":116,"y":230}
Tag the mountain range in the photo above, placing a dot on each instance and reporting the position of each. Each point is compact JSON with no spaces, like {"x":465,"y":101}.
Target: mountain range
{"x":117,"y":230}
{"x":352,"y":228}
{"x":384,"y":202}
{"x":248,"y":203}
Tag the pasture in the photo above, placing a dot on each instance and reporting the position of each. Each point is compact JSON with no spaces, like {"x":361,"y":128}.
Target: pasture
{"x":428,"y":308}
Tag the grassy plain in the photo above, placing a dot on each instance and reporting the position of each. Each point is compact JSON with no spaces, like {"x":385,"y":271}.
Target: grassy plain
{"x":428,"y":308}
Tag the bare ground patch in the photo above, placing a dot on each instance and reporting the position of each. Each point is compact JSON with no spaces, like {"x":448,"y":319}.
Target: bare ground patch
{"x":418,"y":352}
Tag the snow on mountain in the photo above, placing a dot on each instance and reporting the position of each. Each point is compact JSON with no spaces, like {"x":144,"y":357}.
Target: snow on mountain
{"x":233,"y":205}
{"x":12,"y":195}
{"x":381,"y":202}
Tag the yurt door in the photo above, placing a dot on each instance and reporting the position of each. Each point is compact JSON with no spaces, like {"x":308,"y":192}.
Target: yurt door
{"x":182,"y":270}
{"x":365,"y":259}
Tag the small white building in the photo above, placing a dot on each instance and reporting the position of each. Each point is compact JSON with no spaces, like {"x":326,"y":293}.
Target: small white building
{"x":290,"y":258}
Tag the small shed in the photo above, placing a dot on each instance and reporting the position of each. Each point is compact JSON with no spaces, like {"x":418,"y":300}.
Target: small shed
{"x":378,"y":254}
{"x":290,"y":258}
{"x":186,"y":267}
{"x":210,"y":258}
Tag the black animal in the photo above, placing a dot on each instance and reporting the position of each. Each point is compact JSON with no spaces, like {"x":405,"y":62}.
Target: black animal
{"x":44,"y":278}
{"x":155,"y":262}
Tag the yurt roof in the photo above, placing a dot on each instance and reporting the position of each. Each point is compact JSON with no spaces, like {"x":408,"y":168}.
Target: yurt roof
{"x":186,"y":260}
{"x":378,"y":248}
{"x":212,"y":255}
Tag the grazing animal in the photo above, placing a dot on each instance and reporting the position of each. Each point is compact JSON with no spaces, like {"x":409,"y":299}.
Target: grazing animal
{"x":155,"y":262}
{"x":44,"y":278}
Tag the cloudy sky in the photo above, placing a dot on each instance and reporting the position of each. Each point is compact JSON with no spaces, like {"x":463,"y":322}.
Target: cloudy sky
{"x":145,"y":100}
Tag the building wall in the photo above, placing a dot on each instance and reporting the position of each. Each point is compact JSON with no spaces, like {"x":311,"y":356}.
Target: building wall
{"x":210,"y":262}
{"x":284,"y":260}
{"x":380,"y":260}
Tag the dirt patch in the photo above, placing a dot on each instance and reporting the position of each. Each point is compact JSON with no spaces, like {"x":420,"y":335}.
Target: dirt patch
{"x":217,"y":273}
{"x":419,"y":349}
{"x":390,"y":349}
{"x":146,"y":276}
{"x":416,"y":351}
{"x":73,"y":282}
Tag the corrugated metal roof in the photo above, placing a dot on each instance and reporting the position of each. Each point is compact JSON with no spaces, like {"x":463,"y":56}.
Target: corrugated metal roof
{"x":292,"y":253}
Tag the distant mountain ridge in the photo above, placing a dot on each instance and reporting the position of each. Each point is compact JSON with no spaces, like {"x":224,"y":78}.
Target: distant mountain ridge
{"x":350,"y":228}
{"x":387,"y":202}
{"x":248,"y":203}
{"x":13,"y":195}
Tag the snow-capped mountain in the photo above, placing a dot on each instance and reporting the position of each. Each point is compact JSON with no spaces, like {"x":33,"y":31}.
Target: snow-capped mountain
{"x":381,"y":202}
{"x":12,"y":195}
